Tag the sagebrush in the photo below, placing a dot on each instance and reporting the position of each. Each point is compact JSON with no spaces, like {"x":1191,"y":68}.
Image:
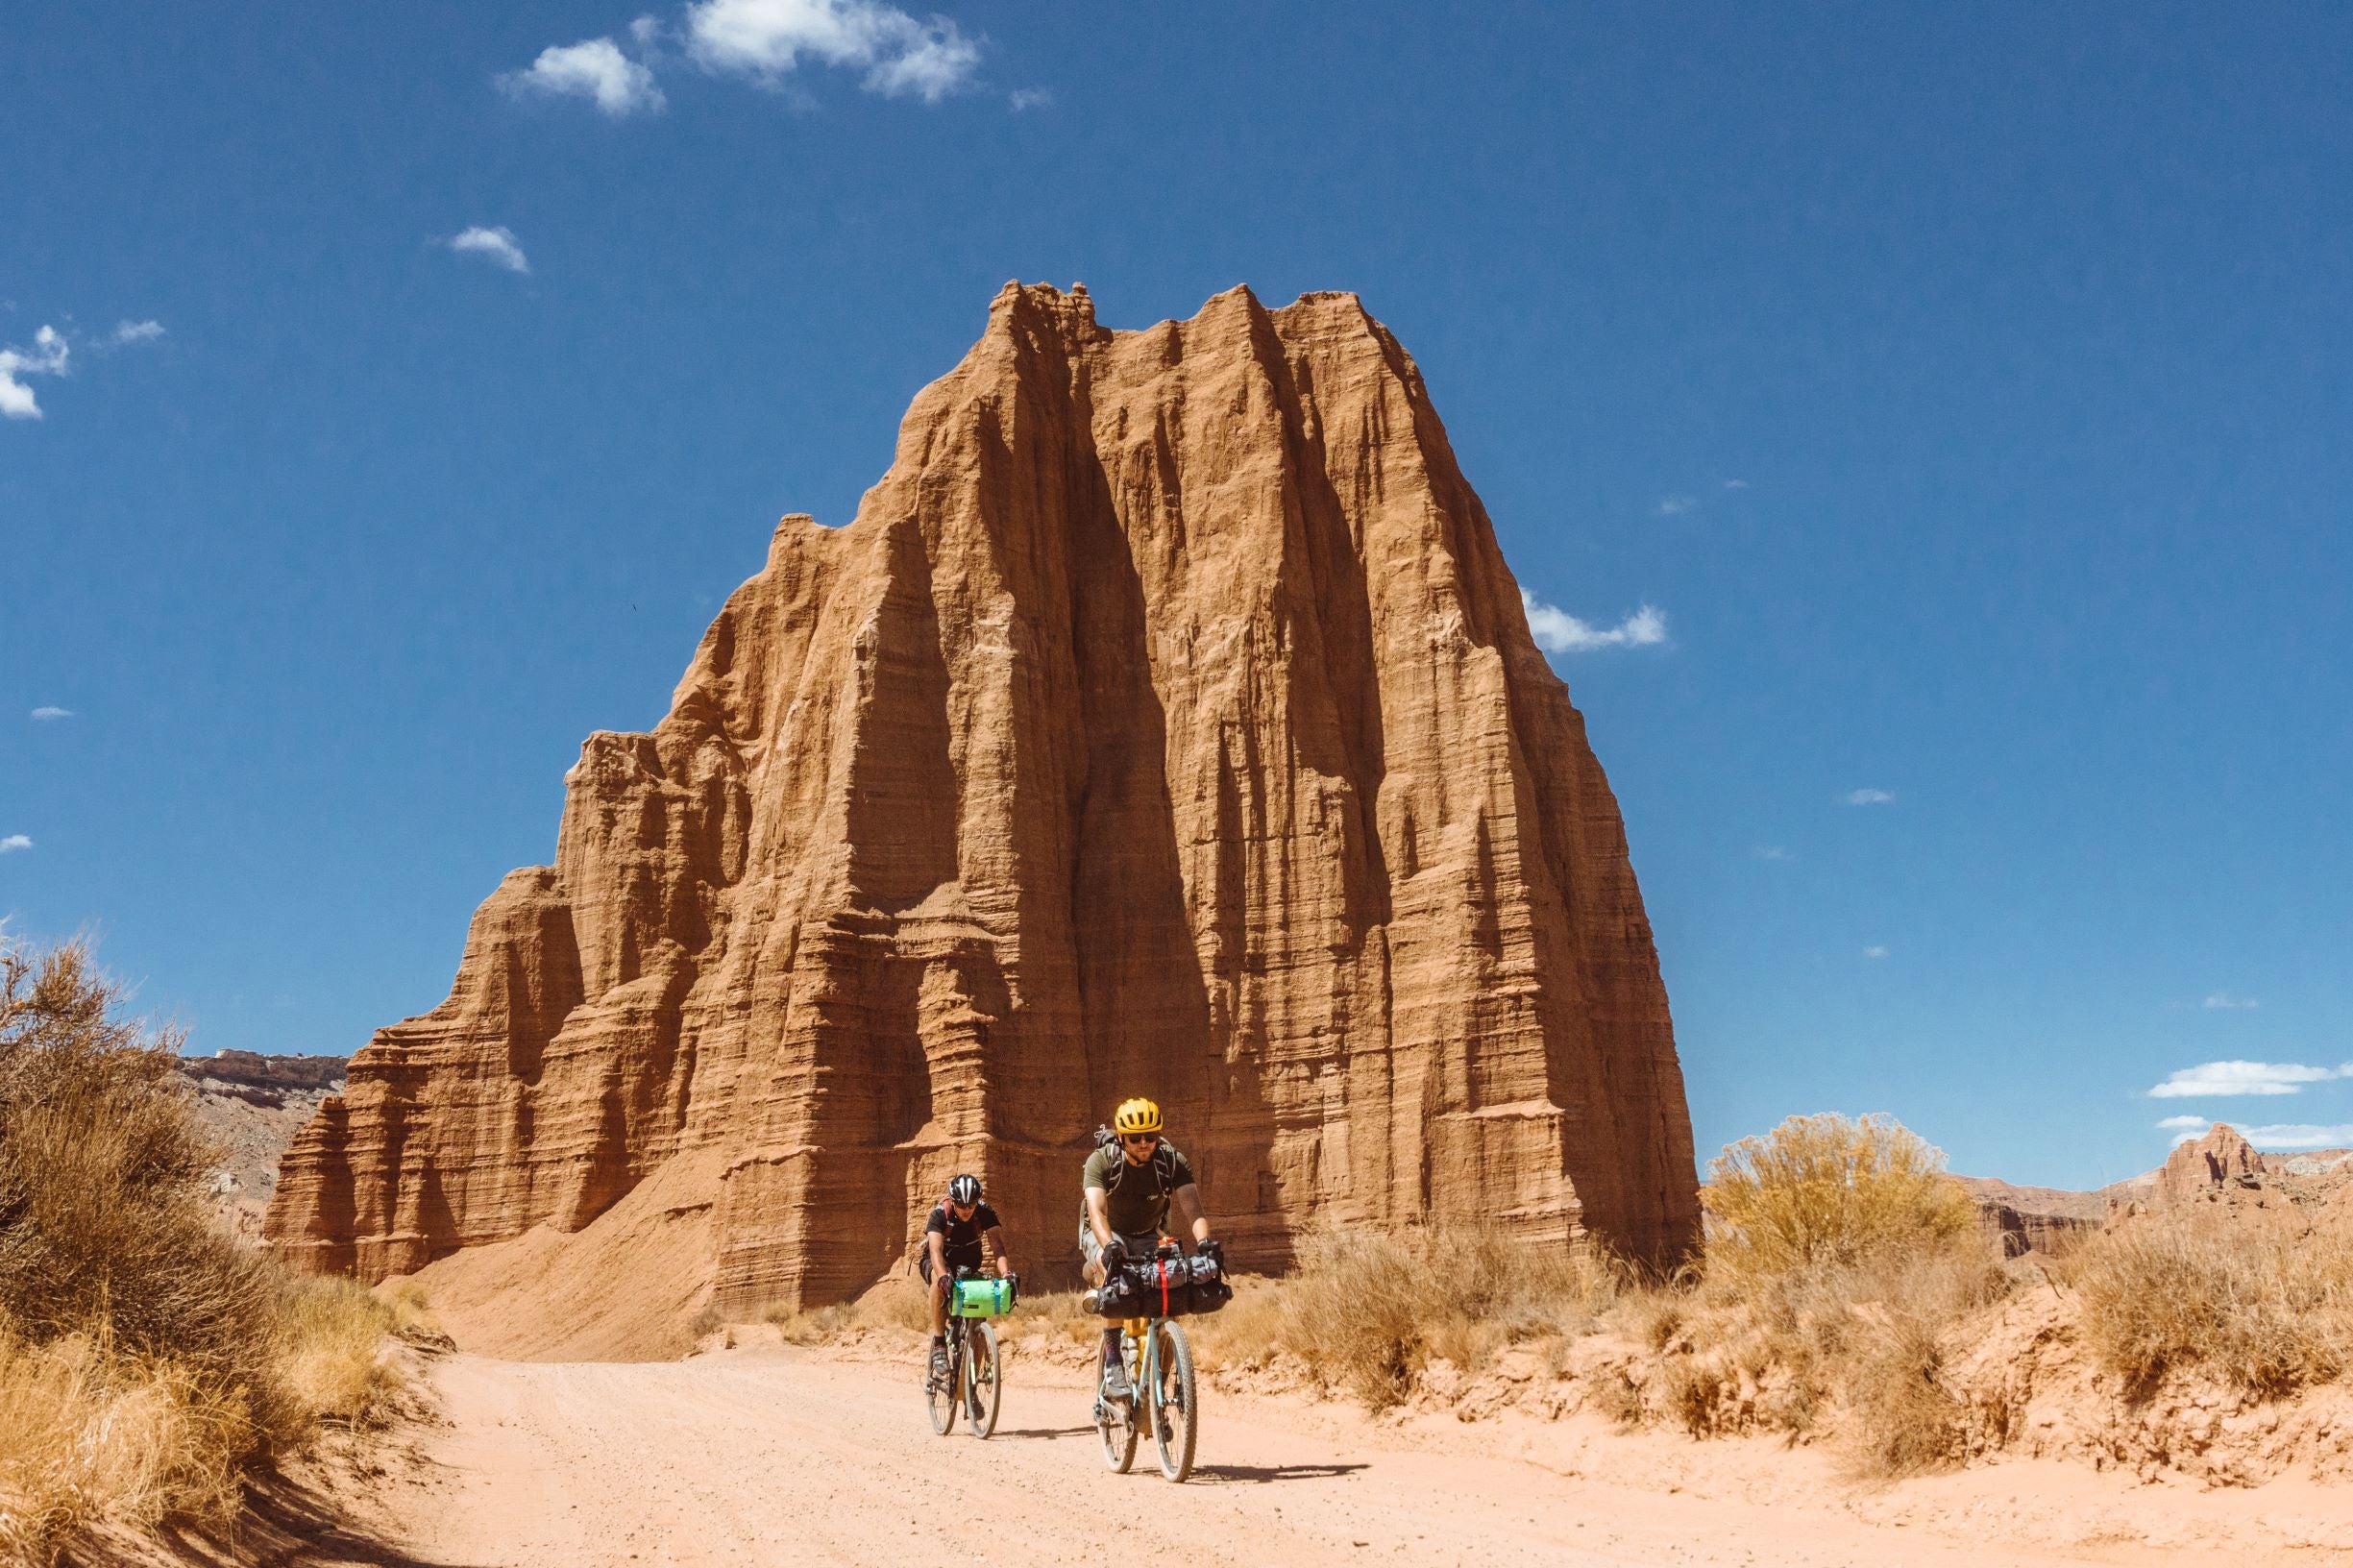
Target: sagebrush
{"x":147,"y":1358}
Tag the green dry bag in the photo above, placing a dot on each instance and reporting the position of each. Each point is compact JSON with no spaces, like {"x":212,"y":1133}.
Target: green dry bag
{"x":982,"y":1298}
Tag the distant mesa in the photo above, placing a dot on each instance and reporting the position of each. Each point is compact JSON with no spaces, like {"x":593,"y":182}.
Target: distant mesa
{"x":1167,"y":722}
{"x":2219,"y":1174}
{"x":262,"y":1079}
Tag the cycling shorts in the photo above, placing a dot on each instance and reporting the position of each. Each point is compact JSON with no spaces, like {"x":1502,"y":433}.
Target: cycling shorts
{"x":1140,"y":1246}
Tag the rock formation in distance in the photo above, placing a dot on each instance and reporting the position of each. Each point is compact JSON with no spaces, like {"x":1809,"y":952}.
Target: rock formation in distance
{"x":1165,"y":723}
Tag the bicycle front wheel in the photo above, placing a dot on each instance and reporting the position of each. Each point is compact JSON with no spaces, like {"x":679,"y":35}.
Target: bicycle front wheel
{"x":1176,"y":1414}
{"x":1116,"y":1423}
{"x":984,"y":1379}
{"x":940,"y":1393}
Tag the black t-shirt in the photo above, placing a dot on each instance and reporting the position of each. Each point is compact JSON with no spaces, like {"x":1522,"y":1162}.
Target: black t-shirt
{"x":961,"y":1236}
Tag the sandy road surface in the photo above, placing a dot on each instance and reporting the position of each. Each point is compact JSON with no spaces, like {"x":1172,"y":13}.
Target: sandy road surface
{"x":777,"y":1456}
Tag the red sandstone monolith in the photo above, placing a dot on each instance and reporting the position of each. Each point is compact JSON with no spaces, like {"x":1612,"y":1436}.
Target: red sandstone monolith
{"x":1167,"y":723}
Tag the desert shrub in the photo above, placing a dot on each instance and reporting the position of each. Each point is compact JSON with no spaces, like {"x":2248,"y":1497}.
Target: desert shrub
{"x":1838,"y":1262}
{"x":146,"y":1357}
{"x":2268,"y":1312}
{"x":1366,"y":1310}
{"x":1825,"y":1191}
{"x":811,"y":1326}
{"x":1609,"y":1391}
{"x":101,"y":1167}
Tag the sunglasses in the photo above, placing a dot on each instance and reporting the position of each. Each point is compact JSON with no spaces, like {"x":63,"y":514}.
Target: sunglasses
{"x":1142,"y":1140}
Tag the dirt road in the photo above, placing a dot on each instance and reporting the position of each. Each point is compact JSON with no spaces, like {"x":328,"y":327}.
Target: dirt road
{"x":775,"y":1457}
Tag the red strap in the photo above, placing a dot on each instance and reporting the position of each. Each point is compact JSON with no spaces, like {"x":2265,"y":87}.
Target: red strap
{"x":1163,"y":1287}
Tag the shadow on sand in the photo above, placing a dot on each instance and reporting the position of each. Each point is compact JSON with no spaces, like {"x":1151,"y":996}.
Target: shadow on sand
{"x":283,"y":1524}
{"x":1260,"y":1475}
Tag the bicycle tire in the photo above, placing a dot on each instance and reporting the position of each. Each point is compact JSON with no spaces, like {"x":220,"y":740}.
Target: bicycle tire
{"x":1174,"y":1394}
{"x":941,"y":1398}
{"x":984,"y":1380}
{"x":1118,"y":1431}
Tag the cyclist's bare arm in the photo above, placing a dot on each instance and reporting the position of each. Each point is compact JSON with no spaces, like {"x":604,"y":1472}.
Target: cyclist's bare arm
{"x":997,"y":1250}
{"x":1188,"y":1209}
{"x":1098,"y":1215}
{"x":939,"y":1259}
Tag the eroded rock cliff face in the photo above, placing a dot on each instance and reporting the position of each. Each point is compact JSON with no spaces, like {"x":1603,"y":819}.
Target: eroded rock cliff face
{"x":1165,"y":723}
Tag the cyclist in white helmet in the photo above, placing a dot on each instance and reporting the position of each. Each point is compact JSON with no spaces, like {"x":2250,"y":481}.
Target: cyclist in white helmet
{"x":952,"y":1241}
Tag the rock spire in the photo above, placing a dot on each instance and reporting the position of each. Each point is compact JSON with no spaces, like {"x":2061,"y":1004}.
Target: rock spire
{"x":1165,"y":723}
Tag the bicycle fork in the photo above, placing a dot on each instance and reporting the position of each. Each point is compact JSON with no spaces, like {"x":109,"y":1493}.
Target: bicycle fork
{"x":1134,"y":1350}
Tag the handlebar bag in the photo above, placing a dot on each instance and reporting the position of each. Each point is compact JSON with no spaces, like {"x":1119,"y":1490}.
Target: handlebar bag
{"x":982,"y":1298}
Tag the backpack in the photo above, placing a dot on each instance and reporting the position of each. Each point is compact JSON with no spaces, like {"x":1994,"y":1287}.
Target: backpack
{"x":1162,"y":1165}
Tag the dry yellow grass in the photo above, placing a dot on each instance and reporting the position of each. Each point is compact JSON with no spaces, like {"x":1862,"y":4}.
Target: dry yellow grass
{"x":1368,"y":1310}
{"x":326,"y":1361}
{"x":2267,"y":1311}
{"x":88,"y":1435}
{"x":146,"y":1358}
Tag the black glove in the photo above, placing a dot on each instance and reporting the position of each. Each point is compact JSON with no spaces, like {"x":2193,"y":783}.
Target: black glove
{"x":1214,"y":1250}
{"x":1013,"y":1288}
{"x":1115,"y":1253}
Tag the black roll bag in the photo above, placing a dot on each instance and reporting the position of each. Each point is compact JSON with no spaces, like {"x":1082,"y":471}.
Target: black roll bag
{"x":1164,"y":1287}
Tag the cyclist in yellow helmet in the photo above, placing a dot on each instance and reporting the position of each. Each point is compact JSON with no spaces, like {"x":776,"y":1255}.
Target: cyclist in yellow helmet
{"x":1129,"y":1186}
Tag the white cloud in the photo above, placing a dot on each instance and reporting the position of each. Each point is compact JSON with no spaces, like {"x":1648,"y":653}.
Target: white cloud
{"x":592,"y":69}
{"x":1557,"y":631}
{"x":1735,"y":484}
{"x":899,"y":54}
{"x":2225,"y":1001}
{"x":1773,"y":851}
{"x":45,"y":714}
{"x":14,"y":840}
{"x":2185,"y":1129}
{"x":646,"y":30}
{"x":2300,"y":1135}
{"x":1677,"y":506}
{"x":127,"y":333}
{"x":495,"y":244}
{"x":2219,"y":1078}
{"x":47,"y":356}
{"x":1021,"y":98}
{"x":1870,"y":797}
{"x":1875,"y":951}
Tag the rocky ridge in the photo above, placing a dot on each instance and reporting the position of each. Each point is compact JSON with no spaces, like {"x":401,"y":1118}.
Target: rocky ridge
{"x":253,"y":1105}
{"x":1166,"y":721}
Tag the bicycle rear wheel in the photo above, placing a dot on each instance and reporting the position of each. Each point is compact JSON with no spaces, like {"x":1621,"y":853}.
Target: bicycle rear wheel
{"x":984,"y":1379}
{"x":940,"y":1393}
{"x":1175,"y":1412}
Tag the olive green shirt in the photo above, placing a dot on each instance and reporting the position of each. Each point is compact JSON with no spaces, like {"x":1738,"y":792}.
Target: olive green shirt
{"x":1134,"y":1198}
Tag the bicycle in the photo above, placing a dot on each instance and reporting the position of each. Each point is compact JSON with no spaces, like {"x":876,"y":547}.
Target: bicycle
{"x":974,"y":1380}
{"x":1157,"y":1359}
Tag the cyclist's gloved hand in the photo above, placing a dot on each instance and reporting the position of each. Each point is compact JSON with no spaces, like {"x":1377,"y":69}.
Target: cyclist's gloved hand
{"x":1013,"y":1288}
{"x":1115,"y":1253}
{"x":1214,"y":1250}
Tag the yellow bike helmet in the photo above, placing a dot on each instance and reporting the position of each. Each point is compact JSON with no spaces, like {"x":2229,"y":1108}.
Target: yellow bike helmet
{"x":1136,"y":1116}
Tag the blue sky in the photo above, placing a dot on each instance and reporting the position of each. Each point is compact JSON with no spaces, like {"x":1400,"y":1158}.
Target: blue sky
{"x":1964,"y":390}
